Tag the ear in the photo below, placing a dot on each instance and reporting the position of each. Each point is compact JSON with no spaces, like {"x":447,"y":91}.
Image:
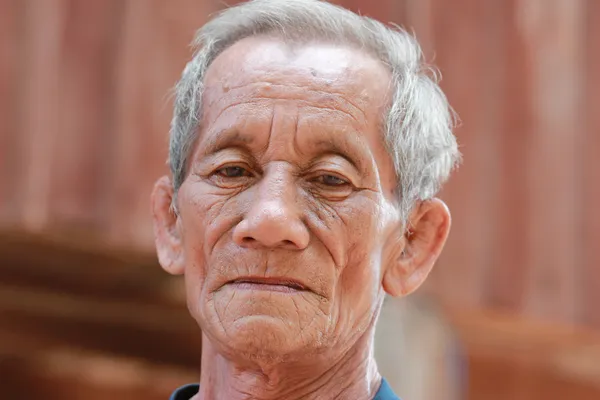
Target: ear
{"x":418,"y":248}
{"x":167,"y":236}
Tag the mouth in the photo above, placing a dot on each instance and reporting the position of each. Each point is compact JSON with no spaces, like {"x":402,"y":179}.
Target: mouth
{"x":274,"y":284}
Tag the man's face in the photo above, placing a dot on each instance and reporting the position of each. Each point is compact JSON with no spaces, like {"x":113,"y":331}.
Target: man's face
{"x":287,"y":207}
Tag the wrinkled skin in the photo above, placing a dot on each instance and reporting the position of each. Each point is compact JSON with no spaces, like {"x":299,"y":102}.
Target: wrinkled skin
{"x":287,"y":230}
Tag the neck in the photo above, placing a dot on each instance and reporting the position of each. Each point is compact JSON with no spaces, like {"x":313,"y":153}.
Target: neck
{"x":352,"y":375}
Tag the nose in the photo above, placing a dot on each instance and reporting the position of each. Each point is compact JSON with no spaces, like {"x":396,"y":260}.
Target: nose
{"x":274,"y":218}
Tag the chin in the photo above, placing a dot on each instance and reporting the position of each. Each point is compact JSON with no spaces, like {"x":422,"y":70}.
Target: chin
{"x":266,"y":338}
{"x":263,"y":325}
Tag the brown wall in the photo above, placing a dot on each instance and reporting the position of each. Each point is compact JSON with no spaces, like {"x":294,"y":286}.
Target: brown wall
{"x":85,"y":109}
{"x":517,"y":72}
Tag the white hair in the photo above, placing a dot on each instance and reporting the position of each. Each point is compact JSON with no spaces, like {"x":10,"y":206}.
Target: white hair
{"x":418,"y":125}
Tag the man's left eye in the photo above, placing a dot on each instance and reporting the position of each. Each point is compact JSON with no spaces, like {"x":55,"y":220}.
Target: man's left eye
{"x":232,"y":172}
{"x":331,"y":180}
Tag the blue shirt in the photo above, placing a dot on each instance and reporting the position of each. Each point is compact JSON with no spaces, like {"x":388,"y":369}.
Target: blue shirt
{"x":187,"y":392}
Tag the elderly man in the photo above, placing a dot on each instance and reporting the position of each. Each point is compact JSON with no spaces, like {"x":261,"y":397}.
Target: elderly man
{"x":307,"y":145}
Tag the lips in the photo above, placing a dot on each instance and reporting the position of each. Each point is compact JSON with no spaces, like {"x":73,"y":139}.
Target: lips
{"x":268,"y":283}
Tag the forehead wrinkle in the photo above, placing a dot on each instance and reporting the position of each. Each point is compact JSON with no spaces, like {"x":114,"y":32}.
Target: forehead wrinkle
{"x":306,"y":88}
{"x":228,"y":106}
{"x":302,"y":104}
{"x":340,"y":142}
{"x":345,"y":105}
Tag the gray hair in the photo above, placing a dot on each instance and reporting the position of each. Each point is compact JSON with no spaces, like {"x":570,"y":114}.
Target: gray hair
{"x":418,"y":125}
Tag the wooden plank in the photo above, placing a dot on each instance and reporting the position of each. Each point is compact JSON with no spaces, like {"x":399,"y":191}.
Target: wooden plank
{"x":465,"y":61}
{"x":41,"y":263}
{"x":38,"y":108}
{"x":120,"y":327}
{"x":591,"y":169}
{"x":9,"y":52}
{"x":504,"y":285}
{"x":91,"y":31}
{"x":553,"y":35}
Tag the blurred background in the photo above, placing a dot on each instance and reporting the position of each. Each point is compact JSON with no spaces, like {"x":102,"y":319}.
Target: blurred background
{"x":512,"y":310}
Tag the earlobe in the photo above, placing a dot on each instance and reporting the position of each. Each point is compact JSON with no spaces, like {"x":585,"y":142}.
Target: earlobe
{"x":418,"y":248}
{"x":166,"y":233}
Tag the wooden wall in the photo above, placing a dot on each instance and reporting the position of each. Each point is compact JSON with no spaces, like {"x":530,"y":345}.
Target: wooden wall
{"x":519,"y":73}
{"x":85,"y":108}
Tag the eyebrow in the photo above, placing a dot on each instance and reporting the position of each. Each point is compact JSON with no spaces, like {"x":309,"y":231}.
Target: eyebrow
{"x":226,"y":138}
{"x":350,"y":149}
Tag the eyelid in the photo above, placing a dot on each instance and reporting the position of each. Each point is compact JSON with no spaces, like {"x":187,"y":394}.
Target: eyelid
{"x":318,"y":178}
{"x":336,"y":170}
{"x":335,"y":175}
{"x":226,"y":166}
{"x":230,"y":157}
{"x":234,"y":164}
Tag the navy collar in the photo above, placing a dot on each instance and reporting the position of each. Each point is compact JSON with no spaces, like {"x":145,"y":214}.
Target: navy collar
{"x":188,"y":391}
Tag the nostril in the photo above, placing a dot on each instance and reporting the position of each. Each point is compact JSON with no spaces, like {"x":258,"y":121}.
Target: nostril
{"x":249,"y":240}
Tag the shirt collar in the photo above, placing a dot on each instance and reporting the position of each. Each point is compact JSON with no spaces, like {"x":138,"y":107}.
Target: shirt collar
{"x":186,"y":392}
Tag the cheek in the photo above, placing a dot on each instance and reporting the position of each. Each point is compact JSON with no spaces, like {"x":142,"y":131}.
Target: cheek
{"x":206,"y":217}
{"x":359,"y":284}
{"x":361,"y":219}
{"x":351,"y":232}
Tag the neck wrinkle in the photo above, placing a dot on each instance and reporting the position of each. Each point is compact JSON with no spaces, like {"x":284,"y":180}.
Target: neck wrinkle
{"x":354,"y":375}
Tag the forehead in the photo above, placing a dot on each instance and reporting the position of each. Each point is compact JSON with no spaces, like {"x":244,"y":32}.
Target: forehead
{"x":335,"y":72}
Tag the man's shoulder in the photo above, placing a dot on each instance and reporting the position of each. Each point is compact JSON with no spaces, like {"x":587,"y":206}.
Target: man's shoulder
{"x":385,"y":392}
{"x":186,"y":392}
